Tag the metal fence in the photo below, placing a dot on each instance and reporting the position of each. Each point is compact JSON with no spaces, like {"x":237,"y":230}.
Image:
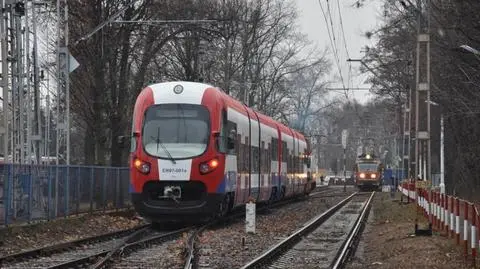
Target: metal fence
{"x":38,"y":192}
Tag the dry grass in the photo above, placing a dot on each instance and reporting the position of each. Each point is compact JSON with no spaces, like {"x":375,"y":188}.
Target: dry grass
{"x":389,"y":241}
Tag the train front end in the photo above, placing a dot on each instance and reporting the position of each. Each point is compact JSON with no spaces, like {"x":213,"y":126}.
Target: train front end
{"x":368,"y":172}
{"x":176,"y":170}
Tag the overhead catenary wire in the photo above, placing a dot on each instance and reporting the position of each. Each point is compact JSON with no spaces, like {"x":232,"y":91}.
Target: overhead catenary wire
{"x":332,"y":42}
{"x":349,"y":83}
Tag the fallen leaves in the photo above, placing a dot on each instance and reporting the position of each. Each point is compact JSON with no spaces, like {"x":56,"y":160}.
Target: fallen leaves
{"x":62,"y":230}
{"x":396,"y":246}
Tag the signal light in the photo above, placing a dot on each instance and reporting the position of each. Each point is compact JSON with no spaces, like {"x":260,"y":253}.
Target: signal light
{"x":209,"y":166}
{"x":142,"y":166}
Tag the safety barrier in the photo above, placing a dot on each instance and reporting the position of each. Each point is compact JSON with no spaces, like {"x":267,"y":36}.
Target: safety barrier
{"x":451,"y":216}
{"x":40,"y":192}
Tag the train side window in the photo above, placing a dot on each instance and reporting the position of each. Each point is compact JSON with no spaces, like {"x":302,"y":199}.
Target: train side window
{"x":231,"y":134}
{"x":221,"y":140}
{"x":262,"y":157}
{"x":255,"y":159}
{"x":269,"y":158}
{"x":274,"y":149}
{"x":240,"y":154}
{"x":284,"y":152}
{"x":246,"y":155}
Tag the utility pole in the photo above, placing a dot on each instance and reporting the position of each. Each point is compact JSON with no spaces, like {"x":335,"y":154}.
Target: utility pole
{"x":36,"y":90}
{"x":344,"y":145}
{"x":5,"y":104}
{"x":422,"y":93}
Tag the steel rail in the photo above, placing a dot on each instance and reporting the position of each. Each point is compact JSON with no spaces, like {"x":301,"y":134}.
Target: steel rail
{"x":347,"y":246}
{"x":297,"y":235}
{"x":190,"y":248}
{"x":47,"y":250}
{"x":130,"y":246}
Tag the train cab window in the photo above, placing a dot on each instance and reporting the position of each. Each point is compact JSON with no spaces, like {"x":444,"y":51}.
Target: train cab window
{"x":176,"y":131}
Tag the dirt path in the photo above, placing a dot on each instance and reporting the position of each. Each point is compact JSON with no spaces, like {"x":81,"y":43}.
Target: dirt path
{"x":389,"y":242}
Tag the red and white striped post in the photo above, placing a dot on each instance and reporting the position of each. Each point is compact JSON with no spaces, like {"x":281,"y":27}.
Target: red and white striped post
{"x":434,"y":209}
{"x":442,"y":211}
{"x":457,"y":220}
{"x":439,"y":211}
{"x":478,"y":225}
{"x":465,"y":228}
{"x":452,"y":217}
{"x":427,"y":204}
{"x":446,"y":214}
{"x":474,"y":235}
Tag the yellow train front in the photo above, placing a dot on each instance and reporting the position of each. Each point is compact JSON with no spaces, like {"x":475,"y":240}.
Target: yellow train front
{"x":368,"y":172}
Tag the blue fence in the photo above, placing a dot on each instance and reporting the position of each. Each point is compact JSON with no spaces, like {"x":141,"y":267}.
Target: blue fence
{"x":398,"y":174}
{"x":37,"y":192}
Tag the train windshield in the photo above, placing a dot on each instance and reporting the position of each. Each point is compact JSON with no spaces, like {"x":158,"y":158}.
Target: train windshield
{"x":367,"y":167}
{"x":176,"y":131}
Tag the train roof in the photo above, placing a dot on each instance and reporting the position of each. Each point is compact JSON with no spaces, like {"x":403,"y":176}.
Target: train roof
{"x":234,"y":103}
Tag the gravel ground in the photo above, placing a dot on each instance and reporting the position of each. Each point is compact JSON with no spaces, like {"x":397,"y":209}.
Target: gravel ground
{"x":231,"y":247}
{"x":20,"y":238}
{"x":388,"y":241}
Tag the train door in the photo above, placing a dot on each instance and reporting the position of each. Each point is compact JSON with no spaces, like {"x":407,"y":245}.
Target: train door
{"x":255,"y":133}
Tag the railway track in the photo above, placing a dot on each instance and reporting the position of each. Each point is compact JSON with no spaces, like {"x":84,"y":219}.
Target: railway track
{"x":47,"y":254}
{"x":123,"y":249}
{"x":324,"y":242}
{"x":191,"y":260}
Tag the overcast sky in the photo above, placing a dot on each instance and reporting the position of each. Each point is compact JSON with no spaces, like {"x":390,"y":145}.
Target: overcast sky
{"x":356,"y":21}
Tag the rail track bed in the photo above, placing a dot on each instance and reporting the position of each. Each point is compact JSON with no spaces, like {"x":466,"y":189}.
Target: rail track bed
{"x":55,"y":254}
{"x":230,"y":247}
{"x":128,"y":248}
{"x":324,"y":242}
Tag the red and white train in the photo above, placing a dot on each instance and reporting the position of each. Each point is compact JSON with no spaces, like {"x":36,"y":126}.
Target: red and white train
{"x":197,"y":152}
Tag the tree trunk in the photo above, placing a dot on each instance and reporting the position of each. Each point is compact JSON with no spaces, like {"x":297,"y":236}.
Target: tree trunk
{"x":89,"y":146}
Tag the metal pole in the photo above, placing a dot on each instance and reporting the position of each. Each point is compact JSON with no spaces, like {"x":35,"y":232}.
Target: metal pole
{"x":417,"y":82}
{"x":344,"y":169}
{"x":20,"y":75}
{"x":67,"y":85}
{"x":59,"y":86}
{"x":4,"y":44}
{"x":402,"y":164}
{"x":429,"y":146}
{"x":14,"y":133}
{"x":27,"y":108}
{"x":36,"y":91}
{"x":442,"y":156}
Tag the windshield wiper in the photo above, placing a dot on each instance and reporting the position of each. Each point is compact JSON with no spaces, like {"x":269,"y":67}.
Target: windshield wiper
{"x":159,"y":143}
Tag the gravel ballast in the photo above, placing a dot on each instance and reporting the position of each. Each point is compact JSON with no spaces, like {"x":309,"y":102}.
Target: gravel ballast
{"x":232,"y":247}
{"x":20,"y":238}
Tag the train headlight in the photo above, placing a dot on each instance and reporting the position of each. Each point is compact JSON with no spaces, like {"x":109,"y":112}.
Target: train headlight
{"x":362,"y":175}
{"x":373,"y":176}
{"x":142,"y":166}
{"x":209,"y":166}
